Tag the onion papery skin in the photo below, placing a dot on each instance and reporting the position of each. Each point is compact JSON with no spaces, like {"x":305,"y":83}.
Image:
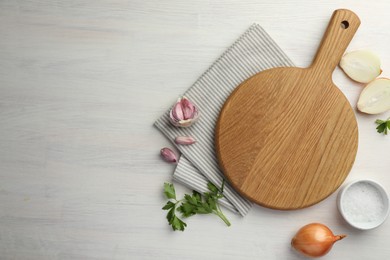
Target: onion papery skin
{"x":314,"y":240}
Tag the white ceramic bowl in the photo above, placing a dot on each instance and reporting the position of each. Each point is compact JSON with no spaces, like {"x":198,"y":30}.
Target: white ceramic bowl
{"x":358,"y":214}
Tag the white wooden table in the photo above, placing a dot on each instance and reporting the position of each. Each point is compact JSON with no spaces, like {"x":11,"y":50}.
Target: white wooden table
{"x":81,"y":83}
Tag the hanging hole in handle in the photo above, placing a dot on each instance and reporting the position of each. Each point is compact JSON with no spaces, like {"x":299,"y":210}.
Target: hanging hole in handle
{"x":344,"y":24}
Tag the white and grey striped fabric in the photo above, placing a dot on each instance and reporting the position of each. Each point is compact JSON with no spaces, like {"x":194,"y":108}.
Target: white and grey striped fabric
{"x":253,"y":52}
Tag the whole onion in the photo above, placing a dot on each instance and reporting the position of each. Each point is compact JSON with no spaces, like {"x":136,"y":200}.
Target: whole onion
{"x":314,"y":240}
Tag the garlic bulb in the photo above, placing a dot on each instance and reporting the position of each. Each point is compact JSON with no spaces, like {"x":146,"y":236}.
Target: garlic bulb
{"x":362,"y":66}
{"x":375,"y":97}
{"x":184,"y":113}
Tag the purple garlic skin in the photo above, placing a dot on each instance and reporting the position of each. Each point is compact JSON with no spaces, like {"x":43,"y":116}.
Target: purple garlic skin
{"x":185,"y":140}
{"x":168,"y":155}
{"x":184,"y":113}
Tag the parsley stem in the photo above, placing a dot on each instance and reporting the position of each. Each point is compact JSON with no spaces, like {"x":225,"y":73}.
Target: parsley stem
{"x":222,"y":216}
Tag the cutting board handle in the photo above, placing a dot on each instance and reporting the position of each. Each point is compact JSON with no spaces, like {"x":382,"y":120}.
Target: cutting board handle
{"x":341,"y":29}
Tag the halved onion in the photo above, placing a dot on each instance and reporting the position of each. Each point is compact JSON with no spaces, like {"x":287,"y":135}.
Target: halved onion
{"x":362,"y":66}
{"x":375,"y":97}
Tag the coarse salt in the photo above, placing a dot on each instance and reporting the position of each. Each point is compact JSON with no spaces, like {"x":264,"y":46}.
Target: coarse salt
{"x":363,"y":203}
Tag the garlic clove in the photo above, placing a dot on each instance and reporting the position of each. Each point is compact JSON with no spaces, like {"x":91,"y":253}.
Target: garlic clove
{"x":375,"y":97}
{"x":168,"y":155}
{"x":186,"y":140}
{"x":177,"y":111}
{"x":362,"y":66}
{"x":188,"y":108}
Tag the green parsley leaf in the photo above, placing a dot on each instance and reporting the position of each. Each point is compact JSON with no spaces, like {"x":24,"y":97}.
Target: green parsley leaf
{"x":192,"y":205}
{"x":190,"y":199}
{"x":178,"y":224}
{"x":383,"y":126}
{"x":170,"y":215}
{"x":169,"y":191}
{"x":187,"y":210}
{"x":206,"y":207}
{"x":212,"y":203}
{"x":197,"y":195}
{"x":212,"y":187}
{"x":169,"y":205}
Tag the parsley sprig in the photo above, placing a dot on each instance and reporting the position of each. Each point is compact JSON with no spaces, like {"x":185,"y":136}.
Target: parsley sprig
{"x":383,"y":125}
{"x":192,"y":204}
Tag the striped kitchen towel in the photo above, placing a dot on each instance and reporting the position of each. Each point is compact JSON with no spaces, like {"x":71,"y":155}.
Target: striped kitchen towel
{"x":253,"y":52}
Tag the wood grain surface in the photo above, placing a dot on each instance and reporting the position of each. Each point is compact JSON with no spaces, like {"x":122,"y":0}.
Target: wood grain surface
{"x":287,"y":137}
{"x":81,"y":83}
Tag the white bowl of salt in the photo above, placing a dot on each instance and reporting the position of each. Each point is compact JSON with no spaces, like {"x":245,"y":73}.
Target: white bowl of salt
{"x":364,"y":204}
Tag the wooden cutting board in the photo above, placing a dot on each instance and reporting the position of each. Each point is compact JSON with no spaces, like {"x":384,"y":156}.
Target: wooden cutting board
{"x":287,"y":138}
